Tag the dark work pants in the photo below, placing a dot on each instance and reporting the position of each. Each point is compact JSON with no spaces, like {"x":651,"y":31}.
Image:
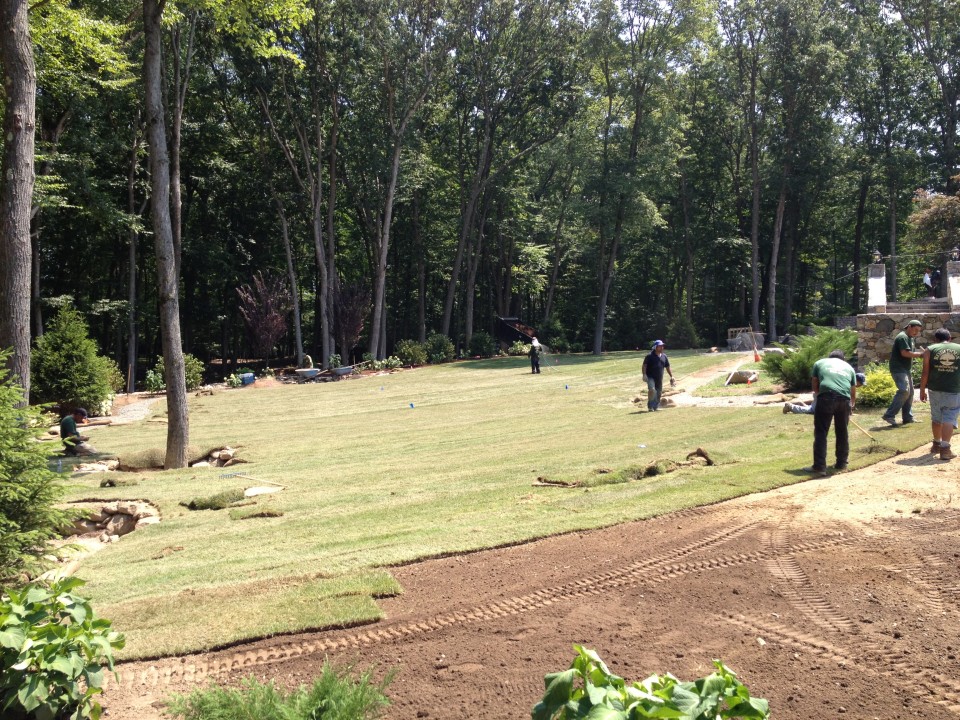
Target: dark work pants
{"x":830,"y":408}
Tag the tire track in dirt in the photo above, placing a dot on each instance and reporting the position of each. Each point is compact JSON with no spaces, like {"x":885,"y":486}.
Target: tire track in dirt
{"x":658,"y":569}
{"x":795,"y":586}
{"x":896,"y":668}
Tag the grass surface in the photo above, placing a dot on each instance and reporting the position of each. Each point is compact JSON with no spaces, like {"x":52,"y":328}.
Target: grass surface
{"x":387,"y":469}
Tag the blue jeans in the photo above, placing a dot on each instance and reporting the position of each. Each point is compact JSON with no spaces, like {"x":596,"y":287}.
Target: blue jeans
{"x":654,"y":391}
{"x":903,"y":401}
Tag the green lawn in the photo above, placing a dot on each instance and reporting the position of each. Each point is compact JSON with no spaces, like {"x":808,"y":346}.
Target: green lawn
{"x":387,"y":469}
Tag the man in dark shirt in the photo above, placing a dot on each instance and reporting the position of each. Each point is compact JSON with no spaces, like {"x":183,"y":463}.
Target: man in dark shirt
{"x":73,"y":442}
{"x":901,"y":361}
{"x":653,"y":366}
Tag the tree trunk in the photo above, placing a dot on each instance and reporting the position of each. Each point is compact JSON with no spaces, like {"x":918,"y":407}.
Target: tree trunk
{"x":858,"y":238}
{"x":16,"y":186}
{"x":181,"y":83}
{"x":132,"y":262}
{"x":892,"y":210}
{"x":421,"y":271}
{"x":774,"y":259}
{"x":178,"y":421}
{"x":380,"y":271}
{"x":292,"y":279}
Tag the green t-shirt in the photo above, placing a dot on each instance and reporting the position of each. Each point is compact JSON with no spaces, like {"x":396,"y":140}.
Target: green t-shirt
{"x":898,"y":363}
{"x":835,"y":375}
{"x":944,"y":373}
{"x":68,"y":429}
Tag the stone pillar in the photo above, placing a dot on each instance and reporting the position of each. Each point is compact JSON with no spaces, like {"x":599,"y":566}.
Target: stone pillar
{"x":953,"y":284}
{"x":877,"y":287}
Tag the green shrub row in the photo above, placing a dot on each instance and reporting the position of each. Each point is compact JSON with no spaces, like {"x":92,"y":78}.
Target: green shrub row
{"x":437,"y":349}
{"x":193,"y":372}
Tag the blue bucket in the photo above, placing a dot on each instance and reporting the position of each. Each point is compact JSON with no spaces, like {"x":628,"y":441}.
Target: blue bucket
{"x":247,"y":378}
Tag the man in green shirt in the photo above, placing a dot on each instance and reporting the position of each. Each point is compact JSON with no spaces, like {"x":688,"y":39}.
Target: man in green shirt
{"x":73,"y":442}
{"x":901,"y":360}
{"x":835,"y":389}
{"x":941,"y":375}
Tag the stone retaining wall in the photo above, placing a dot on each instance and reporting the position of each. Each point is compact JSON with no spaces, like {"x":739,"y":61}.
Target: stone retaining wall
{"x":876,"y":332}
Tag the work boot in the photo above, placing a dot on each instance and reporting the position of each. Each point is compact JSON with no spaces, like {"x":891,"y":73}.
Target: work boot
{"x":816,"y":472}
{"x":935,"y":446}
{"x":946,"y":453}
{"x":786,"y":408}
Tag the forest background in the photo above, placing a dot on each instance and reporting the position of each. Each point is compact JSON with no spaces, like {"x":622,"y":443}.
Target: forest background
{"x":607,"y":171}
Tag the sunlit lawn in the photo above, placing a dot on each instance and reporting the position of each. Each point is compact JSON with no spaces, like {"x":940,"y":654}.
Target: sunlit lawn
{"x":386,"y":469}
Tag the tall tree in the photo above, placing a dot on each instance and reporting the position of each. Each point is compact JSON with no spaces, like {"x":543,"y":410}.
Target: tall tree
{"x":18,"y":72}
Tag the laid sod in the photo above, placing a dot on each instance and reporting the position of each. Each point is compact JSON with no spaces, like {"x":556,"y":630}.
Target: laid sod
{"x":371,"y":481}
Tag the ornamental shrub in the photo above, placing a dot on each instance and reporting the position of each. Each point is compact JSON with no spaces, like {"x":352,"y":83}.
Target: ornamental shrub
{"x":794,"y":366}
{"x":439,"y":348}
{"x":518,"y":348}
{"x":482,"y":344}
{"x":880,"y":388}
{"x":411,"y":353}
{"x":682,"y":334}
{"x":52,"y":653}
{"x":28,"y":488}
{"x":65,"y":368}
{"x":193,"y":373}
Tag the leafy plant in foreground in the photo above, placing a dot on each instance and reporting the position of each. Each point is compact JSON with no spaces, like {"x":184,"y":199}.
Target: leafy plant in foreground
{"x":52,"y":653}
{"x":333,"y":696}
{"x":589,"y":690}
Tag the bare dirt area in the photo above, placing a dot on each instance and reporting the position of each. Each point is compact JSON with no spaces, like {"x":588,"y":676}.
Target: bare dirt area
{"x":832,"y":598}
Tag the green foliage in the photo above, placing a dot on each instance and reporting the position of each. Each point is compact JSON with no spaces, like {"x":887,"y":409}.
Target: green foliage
{"x":155,"y":380}
{"x":482,"y":345}
{"x":216,"y":502}
{"x":333,"y":696}
{"x":439,"y":348}
{"x":880,"y":388}
{"x":65,"y":368}
{"x":519,"y":348}
{"x":28,"y":488}
{"x":682,"y":334}
{"x":335,"y":361}
{"x":793,"y":367}
{"x":52,"y":653}
{"x":233,"y":380}
{"x":411,"y":353}
{"x":389,"y":363}
{"x":589,"y":690}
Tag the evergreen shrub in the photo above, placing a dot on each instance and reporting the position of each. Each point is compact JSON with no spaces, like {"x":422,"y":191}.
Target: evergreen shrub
{"x":439,"y":348}
{"x":28,"y":488}
{"x":482,"y":345}
{"x":682,"y":334}
{"x":793,"y":367}
{"x":880,"y":388}
{"x":411,"y":353}
{"x":66,"y":370}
